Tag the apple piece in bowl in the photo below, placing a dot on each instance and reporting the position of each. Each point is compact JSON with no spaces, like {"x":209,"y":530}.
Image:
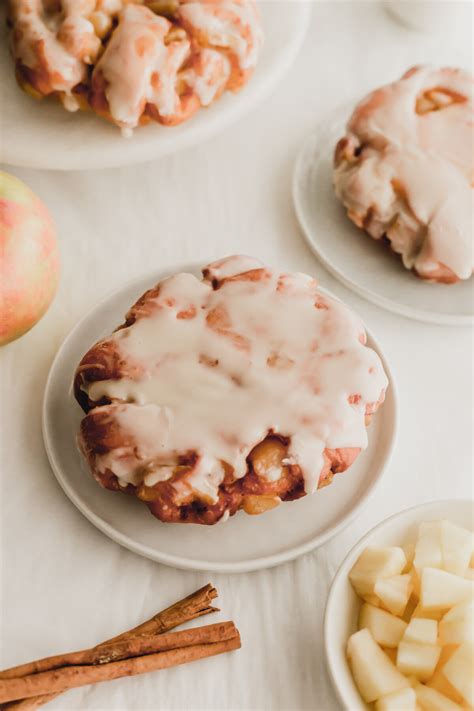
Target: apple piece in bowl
{"x":416,"y":622}
{"x":386,"y":629}
{"x":459,"y":672}
{"x":441,"y":590}
{"x":374,"y":673}
{"x":376,"y":564}
{"x":404,"y":699}
{"x":431,"y":700}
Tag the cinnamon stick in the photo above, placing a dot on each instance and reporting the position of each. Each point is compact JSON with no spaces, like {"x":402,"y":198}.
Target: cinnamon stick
{"x":29,"y":704}
{"x":65,"y":678}
{"x":124,"y":648}
{"x":189,"y":608}
{"x":194,"y":605}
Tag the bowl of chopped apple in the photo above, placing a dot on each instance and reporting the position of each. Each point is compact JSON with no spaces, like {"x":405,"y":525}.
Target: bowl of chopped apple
{"x":399,"y":622}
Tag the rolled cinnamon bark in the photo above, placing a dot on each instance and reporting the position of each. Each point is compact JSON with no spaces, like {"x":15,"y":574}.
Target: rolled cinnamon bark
{"x":59,"y":680}
{"x":124,"y":648}
{"x":29,"y":704}
{"x":189,"y":608}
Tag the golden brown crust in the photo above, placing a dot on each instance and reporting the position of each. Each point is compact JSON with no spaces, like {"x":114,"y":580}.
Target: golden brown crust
{"x":99,"y":434}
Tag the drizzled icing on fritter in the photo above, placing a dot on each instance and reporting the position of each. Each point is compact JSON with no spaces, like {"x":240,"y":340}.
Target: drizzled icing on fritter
{"x":213,"y":366}
{"x":144,"y":63}
{"x":409,"y":172}
{"x":139,"y":68}
{"x":67,"y":44}
{"x":230,"y":25}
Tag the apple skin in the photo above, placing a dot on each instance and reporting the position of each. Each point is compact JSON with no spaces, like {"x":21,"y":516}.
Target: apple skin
{"x":29,"y":258}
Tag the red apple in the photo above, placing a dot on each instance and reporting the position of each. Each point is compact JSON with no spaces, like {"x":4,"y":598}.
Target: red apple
{"x":29,"y":259}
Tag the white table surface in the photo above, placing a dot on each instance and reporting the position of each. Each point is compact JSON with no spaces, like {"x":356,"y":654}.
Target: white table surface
{"x":65,"y":585}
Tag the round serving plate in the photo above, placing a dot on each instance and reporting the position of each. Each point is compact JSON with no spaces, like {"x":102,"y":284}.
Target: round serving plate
{"x":361,"y":263}
{"x":41,"y":134}
{"x":343,"y":605}
{"x":243,"y":543}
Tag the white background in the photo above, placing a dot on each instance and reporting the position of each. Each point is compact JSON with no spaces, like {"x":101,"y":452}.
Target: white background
{"x":66,"y":586}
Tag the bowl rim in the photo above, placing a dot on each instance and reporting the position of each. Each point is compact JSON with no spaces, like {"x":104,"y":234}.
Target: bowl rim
{"x":330,"y":655}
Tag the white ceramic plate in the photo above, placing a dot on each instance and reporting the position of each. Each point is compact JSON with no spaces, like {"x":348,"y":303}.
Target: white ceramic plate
{"x":358,"y":261}
{"x":43,"y":135}
{"x":243,"y":542}
{"x":343,"y":605}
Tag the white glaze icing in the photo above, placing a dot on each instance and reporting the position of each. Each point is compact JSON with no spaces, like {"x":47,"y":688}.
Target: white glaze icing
{"x":229,"y":24}
{"x":209,"y":75}
{"x":109,"y":7}
{"x":70,"y":102}
{"x":164,"y":95}
{"x":221,"y":368}
{"x":429,"y":157}
{"x":135,"y":52}
{"x":76,"y":32}
{"x":139,"y":66}
{"x":36,"y":45}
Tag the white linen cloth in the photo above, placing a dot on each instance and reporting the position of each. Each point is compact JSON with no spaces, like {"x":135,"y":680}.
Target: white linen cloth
{"x":65,"y":585}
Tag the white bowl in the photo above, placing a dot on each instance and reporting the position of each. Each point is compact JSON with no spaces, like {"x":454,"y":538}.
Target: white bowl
{"x":343,"y":605}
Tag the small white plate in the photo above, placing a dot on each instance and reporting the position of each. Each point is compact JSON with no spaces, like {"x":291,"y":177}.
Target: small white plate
{"x":242,"y":543}
{"x":343,"y":605}
{"x":358,"y":261}
{"x":41,"y":134}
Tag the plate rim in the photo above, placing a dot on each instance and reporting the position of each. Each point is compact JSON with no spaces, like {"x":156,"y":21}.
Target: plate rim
{"x":215,"y":125}
{"x":365,"y":292}
{"x":180,"y":562}
{"x":341,"y":573}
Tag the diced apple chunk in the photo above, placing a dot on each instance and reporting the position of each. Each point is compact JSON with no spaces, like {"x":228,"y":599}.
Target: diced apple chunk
{"x":432,"y":700}
{"x":456,"y":632}
{"x":386,"y":629}
{"x":418,"y":660}
{"x":456,"y":545}
{"x":415,"y":647}
{"x":373,"y":672}
{"x":441,"y":590}
{"x":457,"y":626}
{"x":428,"y":552}
{"x":439,"y":682}
{"x":373,"y":564}
{"x":459,"y":672}
{"x":421,"y":631}
{"x":394,"y":592}
{"x":459,"y":612}
{"x":404,"y":699}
